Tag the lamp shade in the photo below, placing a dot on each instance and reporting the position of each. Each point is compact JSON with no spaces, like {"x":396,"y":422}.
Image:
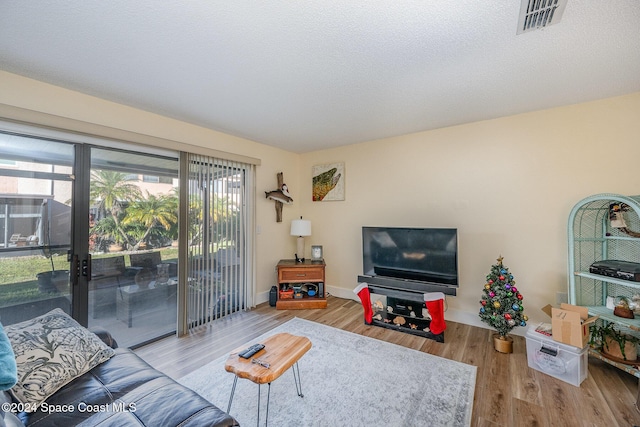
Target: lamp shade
{"x":300,"y":227}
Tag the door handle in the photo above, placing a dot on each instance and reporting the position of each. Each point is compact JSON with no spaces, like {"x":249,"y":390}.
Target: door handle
{"x":75,"y":271}
{"x":86,"y":267}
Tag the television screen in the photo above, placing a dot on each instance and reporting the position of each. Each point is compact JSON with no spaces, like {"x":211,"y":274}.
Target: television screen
{"x":423,"y":254}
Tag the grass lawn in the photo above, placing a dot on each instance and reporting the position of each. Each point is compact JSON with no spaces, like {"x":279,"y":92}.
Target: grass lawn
{"x":18,"y":281}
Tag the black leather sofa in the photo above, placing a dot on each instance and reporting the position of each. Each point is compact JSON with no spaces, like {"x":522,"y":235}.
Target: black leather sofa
{"x":123,"y":391}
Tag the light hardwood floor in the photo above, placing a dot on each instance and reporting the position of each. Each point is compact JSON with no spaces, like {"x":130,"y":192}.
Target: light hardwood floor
{"x":508,"y":392}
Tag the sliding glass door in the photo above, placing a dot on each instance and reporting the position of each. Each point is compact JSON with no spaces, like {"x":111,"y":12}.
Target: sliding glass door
{"x":92,"y":227}
{"x":109,"y":215}
{"x":132,"y":242}
{"x":36,"y":185}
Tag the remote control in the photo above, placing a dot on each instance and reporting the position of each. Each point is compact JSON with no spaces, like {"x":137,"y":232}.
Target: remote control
{"x":245,"y":354}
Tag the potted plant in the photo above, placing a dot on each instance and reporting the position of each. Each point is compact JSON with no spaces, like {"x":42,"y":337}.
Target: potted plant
{"x":613,"y":343}
{"x":52,"y":281}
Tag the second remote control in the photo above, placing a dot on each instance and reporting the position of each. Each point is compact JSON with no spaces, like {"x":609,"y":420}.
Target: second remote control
{"x":245,"y":354}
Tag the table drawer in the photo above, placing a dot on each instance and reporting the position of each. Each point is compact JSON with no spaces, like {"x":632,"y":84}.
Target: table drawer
{"x":301,"y":274}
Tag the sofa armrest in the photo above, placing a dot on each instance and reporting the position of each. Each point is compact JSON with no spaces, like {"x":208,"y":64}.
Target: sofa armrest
{"x":105,"y":336}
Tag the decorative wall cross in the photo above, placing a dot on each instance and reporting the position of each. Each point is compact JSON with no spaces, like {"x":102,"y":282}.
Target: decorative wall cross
{"x":280,"y":196}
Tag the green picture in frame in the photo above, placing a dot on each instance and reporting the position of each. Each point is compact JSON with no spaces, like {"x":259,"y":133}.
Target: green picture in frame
{"x":328,"y":182}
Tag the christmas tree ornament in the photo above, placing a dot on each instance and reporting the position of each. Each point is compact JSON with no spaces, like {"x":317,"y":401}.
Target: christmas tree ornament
{"x":505,"y":300}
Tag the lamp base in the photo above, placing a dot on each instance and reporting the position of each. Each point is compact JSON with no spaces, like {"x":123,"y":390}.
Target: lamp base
{"x":300,"y":249}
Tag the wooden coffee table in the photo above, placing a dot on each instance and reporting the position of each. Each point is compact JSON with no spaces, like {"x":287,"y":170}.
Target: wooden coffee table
{"x":280,"y":352}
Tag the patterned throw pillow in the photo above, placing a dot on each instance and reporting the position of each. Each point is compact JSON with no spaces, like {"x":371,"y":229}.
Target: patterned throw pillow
{"x":51,"y":350}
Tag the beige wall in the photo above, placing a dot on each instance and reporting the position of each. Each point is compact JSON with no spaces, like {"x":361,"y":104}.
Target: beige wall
{"x":508,"y":185}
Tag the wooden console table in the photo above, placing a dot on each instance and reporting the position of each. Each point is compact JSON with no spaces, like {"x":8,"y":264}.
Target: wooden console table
{"x":291,"y":272}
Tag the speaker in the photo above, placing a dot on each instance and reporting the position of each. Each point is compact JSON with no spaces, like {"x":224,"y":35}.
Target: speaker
{"x":273,"y":296}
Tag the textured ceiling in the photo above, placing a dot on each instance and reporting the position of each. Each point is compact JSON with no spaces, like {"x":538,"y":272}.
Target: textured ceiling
{"x":305,"y":75}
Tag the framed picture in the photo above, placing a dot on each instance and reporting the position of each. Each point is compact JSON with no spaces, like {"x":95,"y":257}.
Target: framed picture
{"x":328,"y":182}
{"x":316,"y":253}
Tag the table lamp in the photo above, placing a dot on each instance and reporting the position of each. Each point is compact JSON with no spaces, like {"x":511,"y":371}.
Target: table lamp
{"x":300,"y":227}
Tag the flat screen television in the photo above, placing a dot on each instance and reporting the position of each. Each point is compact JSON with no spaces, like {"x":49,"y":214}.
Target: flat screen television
{"x":421,"y":254}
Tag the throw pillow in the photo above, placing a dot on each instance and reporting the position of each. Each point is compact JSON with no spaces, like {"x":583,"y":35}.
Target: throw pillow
{"x":51,"y":350}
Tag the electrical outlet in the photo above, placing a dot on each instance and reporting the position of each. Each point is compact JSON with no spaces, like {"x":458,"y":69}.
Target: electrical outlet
{"x":562,"y":297}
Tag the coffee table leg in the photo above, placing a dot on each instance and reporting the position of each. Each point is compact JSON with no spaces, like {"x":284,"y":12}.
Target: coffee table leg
{"x":233,"y":390}
{"x":258,"y":423}
{"x":266,"y":418}
{"x":296,"y":379}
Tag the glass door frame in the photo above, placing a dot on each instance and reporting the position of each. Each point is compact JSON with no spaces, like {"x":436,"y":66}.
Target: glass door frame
{"x":75,"y":256}
{"x":79,"y":257}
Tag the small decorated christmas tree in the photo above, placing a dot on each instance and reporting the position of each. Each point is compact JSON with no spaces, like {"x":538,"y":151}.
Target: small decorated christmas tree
{"x":502,"y":305}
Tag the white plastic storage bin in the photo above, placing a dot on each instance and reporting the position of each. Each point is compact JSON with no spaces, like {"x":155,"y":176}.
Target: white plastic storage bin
{"x":562,"y":361}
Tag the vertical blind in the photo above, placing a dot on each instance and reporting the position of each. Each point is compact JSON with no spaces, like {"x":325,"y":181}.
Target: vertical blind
{"x":220,"y":260}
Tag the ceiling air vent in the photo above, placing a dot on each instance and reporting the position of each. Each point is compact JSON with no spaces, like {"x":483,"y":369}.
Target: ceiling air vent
{"x":537,"y":14}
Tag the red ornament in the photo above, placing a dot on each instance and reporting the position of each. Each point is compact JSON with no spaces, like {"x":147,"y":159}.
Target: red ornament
{"x":490,"y":281}
{"x":519,"y":296}
{"x":507,"y":316}
{"x":483,"y":302}
{"x":501,"y":277}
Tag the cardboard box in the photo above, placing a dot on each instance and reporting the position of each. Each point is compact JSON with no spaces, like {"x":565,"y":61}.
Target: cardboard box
{"x":561,"y":361}
{"x":570,"y":324}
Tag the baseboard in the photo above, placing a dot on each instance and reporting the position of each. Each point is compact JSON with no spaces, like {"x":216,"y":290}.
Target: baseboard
{"x":262,"y":297}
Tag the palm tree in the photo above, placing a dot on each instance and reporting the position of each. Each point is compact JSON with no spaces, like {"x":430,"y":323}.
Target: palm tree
{"x":110,"y":190}
{"x":152,"y":211}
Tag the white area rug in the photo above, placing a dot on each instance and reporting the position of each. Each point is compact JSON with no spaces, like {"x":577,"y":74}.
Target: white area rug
{"x":348,"y":380}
